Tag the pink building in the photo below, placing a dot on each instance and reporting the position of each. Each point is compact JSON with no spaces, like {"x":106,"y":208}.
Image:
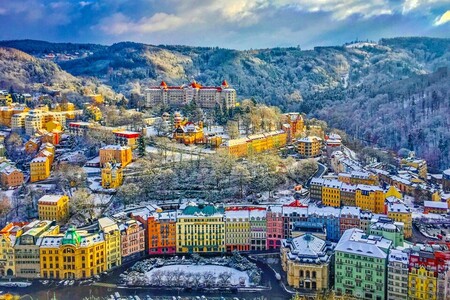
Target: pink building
{"x":275,"y":232}
{"x":133,"y":239}
{"x":349,"y":218}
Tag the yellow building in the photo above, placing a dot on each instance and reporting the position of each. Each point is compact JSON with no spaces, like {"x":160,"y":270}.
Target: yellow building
{"x":331,"y":193}
{"x":117,"y":154}
{"x":5,"y":98}
{"x":200,"y":229}
{"x":112,"y":236}
{"x":399,"y":212}
{"x":26,"y":248}
{"x":369,"y":197}
{"x":7,"y":239}
{"x":237,"y":229}
{"x":418,"y":166}
{"x":53,"y":125}
{"x":72,"y":255}
{"x":7,"y":113}
{"x":237,"y":147}
{"x":186,"y":132}
{"x":112,"y":176}
{"x":53,"y":207}
{"x":96,"y":99}
{"x":310,"y":146}
{"x":306,"y":260}
{"x":39,"y":169}
{"x":393,"y":192}
{"x":256,"y":143}
{"x":93,"y":112}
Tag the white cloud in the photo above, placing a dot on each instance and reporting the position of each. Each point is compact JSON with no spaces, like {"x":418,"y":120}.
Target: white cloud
{"x":443,"y":19}
{"x":341,"y":10}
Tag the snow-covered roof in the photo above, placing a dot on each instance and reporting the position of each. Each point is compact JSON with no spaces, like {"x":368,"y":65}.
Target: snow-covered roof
{"x":308,"y":248}
{"x":396,"y":255}
{"x":237,"y":214}
{"x":310,"y":139}
{"x":435,"y":204}
{"x":114,"y":147}
{"x":50,"y":198}
{"x":39,"y":159}
{"x":370,"y":188}
{"x":398,"y":207}
{"x":332,"y":183}
{"x":356,"y":241}
{"x":351,"y":210}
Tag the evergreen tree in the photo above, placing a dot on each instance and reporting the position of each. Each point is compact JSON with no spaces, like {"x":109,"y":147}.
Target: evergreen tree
{"x":141,"y":146}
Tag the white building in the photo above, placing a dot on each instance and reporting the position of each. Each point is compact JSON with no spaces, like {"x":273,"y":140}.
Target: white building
{"x":397,"y":280}
{"x":204,"y":96}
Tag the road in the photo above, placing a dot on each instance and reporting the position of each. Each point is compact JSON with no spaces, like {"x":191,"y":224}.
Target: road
{"x":321,"y":170}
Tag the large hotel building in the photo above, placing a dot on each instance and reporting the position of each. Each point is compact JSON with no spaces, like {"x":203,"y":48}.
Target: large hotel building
{"x":204,"y":96}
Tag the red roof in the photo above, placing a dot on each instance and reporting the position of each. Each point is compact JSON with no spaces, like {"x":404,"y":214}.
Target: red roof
{"x":196,"y":85}
{"x":224,"y":83}
{"x":296,"y":203}
{"x":163,"y":84}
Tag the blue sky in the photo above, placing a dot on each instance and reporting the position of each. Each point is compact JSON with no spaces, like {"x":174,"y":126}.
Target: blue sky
{"x":239,"y":24}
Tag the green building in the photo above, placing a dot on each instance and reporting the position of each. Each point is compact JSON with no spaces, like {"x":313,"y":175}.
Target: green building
{"x":360,"y":265}
{"x":388,"y":229}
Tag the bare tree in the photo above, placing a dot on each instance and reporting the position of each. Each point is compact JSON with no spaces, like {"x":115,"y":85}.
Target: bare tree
{"x":157,"y":278}
{"x":224,"y":278}
{"x":197,"y":279}
{"x":208,"y":278}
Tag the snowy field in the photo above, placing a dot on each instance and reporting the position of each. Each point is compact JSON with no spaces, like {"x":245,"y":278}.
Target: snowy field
{"x":193,"y":269}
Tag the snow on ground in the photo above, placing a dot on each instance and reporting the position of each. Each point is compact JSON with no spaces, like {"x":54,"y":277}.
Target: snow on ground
{"x":92,"y":171}
{"x":7,"y":194}
{"x":216,"y":270}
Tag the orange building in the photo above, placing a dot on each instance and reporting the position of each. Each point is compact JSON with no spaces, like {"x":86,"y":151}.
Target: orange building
{"x":118,"y":154}
{"x":187,"y":132}
{"x":6,"y":113}
{"x":32,"y":146}
{"x":293,"y":125}
{"x":161,"y":230}
{"x":10,"y":176}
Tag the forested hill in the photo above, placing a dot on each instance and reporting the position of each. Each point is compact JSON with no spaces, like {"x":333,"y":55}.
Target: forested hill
{"x":325,"y":81}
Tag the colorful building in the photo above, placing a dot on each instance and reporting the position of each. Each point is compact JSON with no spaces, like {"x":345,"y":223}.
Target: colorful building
{"x":293,"y":125}
{"x":26,"y":248}
{"x":10,"y":176}
{"x":200,"y":228}
{"x":446,"y":180}
{"x":349,"y":218}
{"x":112,"y":176}
{"x":93,"y":112}
{"x":307,"y":262}
{"x":53,"y":207}
{"x":369,"y":197}
{"x":428,"y":272}
{"x":256,"y":143}
{"x":161,"y":230}
{"x":7,"y":240}
{"x":435,"y":207}
{"x":76,"y":254}
{"x":117,"y":154}
{"x":39,"y":169}
{"x":331,"y":193}
{"x":275,"y":232}
{"x":127,"y":138}
{"x":315,"y":189}
{"x":397,"y":275}
{"x":399,"y":212}
{"x":186,"y":132}
{"x":418,"y":166}
{"x":310,"y":146}
{"x":348,"y":194}
{"x":360,"y":265}
{"x":112,"y":236}
{"x":204,"y":96}
{"x":258,"y":225}
{"x":388,"y":229}
{"x":237,"y":229}
{"x":132,"y":240}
